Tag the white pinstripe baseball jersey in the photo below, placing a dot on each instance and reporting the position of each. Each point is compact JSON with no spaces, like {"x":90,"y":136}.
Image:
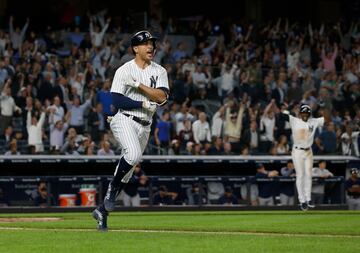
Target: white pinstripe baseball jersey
{"x":303,"y":132}
{"x":154,"y":76}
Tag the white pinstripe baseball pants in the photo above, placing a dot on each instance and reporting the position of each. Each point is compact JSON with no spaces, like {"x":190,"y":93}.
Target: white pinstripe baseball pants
{"x":132,"y":138}
{"x":303,"y":163}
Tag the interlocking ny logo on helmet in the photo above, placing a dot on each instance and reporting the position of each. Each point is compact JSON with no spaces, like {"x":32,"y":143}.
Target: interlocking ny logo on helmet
{"x":354,"y":171}
{"x":141,"y":37}
{"x":305,"y":108}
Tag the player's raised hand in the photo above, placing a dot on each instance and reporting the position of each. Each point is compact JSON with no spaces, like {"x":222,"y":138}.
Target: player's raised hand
{"x":109,"y":119}
{"x":285,"y":108}
{"x":150,"y":106}
{"x":229,"y":103}
{"x":132,"y":83}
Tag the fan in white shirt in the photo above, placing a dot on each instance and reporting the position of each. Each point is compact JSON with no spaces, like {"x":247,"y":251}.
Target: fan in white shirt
{"x":57,"y":110}
{"x":217,"y":127}
{"x":201,"y":129}
{"x":349,"y":142}
{"x":34,"y":128}
{"x":97,"y":36}
{"x":180,"y":118}
{"x":7,"y":107}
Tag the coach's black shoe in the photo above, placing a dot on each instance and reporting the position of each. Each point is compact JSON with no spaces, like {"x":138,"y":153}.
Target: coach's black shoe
{"x":304,"y":206}
{"x":310,"y":204}
{"x":101,"y":218}
{"x":110,"y":198}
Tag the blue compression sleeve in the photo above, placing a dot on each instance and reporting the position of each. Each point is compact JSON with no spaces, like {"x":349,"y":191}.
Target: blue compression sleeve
{"x":119,"y":101}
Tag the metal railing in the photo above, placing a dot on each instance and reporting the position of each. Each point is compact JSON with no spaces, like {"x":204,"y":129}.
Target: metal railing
{"x":19,"y":189}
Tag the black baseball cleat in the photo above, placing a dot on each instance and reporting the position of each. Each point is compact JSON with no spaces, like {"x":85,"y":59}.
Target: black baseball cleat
{"x":110,"y":198}
{"x":310,"y":204}
{"x":304,"y":206}
{"x":101,"y":218}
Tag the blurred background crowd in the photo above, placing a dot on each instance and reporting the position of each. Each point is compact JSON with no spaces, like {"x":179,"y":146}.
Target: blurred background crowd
{"x":229,"y":82}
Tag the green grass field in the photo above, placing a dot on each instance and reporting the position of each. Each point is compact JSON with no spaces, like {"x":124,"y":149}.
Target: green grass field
{"x":276,"y":231}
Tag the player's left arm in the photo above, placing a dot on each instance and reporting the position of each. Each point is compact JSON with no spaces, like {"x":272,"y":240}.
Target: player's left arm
{"x":320,"y":121}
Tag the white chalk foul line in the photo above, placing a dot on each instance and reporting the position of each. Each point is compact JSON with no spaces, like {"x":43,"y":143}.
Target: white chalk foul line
{"x":184,"y":232}
{"x":29,"y":219}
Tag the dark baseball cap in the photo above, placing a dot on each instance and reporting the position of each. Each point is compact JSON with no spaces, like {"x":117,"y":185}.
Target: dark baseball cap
{"x":162,"y":188}
{"x":259,"y":165}
{"x":228,"y":189}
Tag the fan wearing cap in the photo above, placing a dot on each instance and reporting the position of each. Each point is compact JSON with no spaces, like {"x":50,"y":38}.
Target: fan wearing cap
{"x":228,"y":198}
{"x":352,"y":186}
{"x":138,"y":88}
{"x":164,"y":197}
{"x":303,"y":130}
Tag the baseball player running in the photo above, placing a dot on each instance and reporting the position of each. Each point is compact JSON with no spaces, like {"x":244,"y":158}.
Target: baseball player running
{"x":303,"y":131}
{"x":139,"y":86}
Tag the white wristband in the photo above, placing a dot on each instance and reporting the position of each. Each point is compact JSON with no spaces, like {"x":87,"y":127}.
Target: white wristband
{"x":136,"y":84}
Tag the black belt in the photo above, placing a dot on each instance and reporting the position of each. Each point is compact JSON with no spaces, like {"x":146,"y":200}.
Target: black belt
{"x":138,"y":120}
{"x":306,"y":149}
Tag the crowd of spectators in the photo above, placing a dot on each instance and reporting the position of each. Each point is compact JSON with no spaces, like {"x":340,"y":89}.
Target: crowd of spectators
{"x":226,"y":94}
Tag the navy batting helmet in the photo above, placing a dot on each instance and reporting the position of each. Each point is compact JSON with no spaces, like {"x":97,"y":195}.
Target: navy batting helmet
{"x":305,"y":109}
{"x":354,"y":171}
{"x":141,"y":37}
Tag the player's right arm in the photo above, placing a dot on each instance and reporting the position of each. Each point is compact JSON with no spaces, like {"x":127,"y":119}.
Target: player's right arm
{"x":285,"y":114}
{"x":119,"y":101}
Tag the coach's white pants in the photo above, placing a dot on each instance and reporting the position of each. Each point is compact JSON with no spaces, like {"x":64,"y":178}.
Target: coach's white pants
{"x":132,"y":137}
{"x":303,"y":163}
